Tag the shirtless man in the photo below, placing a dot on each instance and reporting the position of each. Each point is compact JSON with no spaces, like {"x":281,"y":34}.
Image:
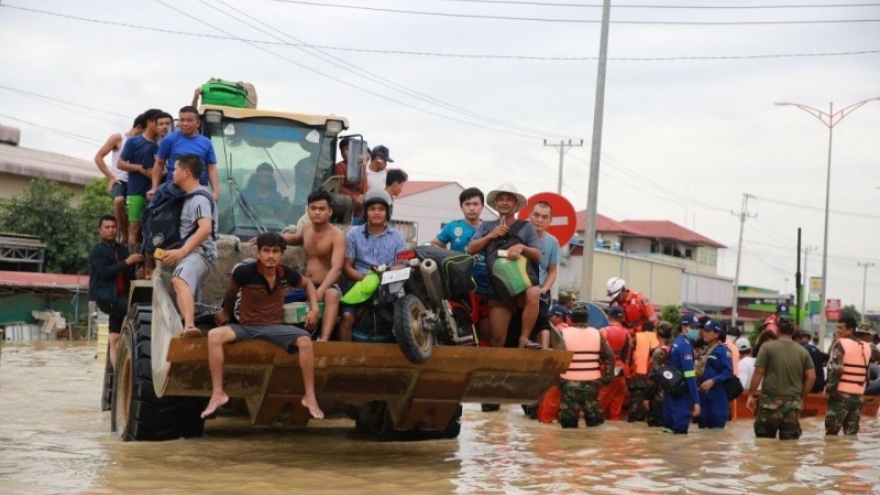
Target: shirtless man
{"x":325,"y":254}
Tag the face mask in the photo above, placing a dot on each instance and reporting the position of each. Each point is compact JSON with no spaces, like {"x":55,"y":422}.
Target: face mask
{"x":693,"y":334}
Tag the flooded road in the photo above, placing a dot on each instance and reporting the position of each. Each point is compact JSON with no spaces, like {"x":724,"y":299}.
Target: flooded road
{"x":55,"y":440}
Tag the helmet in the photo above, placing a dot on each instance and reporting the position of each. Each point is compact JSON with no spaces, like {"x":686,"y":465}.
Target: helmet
{"x":614,"y":286}
{"x":374,"y":196}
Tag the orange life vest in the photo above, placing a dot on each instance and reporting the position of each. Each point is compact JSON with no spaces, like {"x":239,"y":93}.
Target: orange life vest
{"x":645,"y":342}
{"x":586,"y":344}
{"x":856,"y":356}
{"x":617,"y":337}
{"x":635,"y":306}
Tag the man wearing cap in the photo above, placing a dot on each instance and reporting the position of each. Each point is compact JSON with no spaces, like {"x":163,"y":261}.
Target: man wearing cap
{"x":488,"y":239}
{"x":611,"y":398}
{"x":636,"y":306}
{"x":376,"y":174}
{"x":559,"y":316}
{"x":746,"y":366}
{"x":788,"y":376}
{"x":863,"y":333}
{"x":582,"y":382}
{"x":847,"y":376}
{"x":677,"y":412}
{"x":653,"y":401}
{"x":820,"y":359}
{"x":713,"y":369}
{"x":639,"y":364}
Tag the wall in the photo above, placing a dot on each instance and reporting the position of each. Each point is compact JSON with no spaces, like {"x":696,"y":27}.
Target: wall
{"x":17,"y":306}
{"x":661,"y":282}
{"x":12,"y":185}
{"x":706,"y":292}
{"x":433,"y":208}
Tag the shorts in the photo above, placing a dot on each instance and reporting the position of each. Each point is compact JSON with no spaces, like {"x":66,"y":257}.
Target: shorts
{"x":119,"y":189}
{"x":299,"y":295}
{"x":194,"y":270}
{"x":284,"y":336}
{"x":116,"y":312}
{"x":136,"y":204}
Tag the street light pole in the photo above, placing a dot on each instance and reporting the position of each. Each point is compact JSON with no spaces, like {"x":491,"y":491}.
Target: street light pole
{"x":829,"y":119}
{"x":864,"y":288}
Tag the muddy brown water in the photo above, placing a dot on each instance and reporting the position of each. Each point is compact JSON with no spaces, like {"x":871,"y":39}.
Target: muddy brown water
{"x":55,"y":440}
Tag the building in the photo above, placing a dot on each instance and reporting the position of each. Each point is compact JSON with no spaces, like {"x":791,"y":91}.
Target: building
{"x":22,"y":295}
{"x":665,"y":261}
{"x":432,"y":204}
{"x":19,"y":166}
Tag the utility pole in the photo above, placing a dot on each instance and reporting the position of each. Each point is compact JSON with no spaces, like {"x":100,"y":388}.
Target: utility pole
{"x":563,"y":148}
{"x":743,"y":215}
{"x":864,"y":288}
{"x":595,"y":154}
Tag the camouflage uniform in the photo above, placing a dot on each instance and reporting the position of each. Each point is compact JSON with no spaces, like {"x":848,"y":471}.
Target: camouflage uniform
{"x":638,"y":391}
{"x":654,"y":394}
{"x":577,"y":395}
{"x":843,"y":409}
{"x":778,"y":413}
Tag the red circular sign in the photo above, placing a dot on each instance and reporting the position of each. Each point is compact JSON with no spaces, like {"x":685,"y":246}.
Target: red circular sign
{"x":564,"y":222}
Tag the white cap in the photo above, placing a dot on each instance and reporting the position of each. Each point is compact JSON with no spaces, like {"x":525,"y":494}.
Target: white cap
{"x":743,"y":344}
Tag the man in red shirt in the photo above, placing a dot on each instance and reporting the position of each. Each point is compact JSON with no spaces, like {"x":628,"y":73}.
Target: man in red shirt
{"x":263,"y":285}
{"x":637,"y":308}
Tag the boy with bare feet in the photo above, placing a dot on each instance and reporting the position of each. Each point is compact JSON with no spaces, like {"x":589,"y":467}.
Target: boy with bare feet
{"x":263,"y":285}
{"x":324,"y":245}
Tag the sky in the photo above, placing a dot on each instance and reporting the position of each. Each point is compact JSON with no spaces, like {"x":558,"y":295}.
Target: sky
{"x":690,"y":123}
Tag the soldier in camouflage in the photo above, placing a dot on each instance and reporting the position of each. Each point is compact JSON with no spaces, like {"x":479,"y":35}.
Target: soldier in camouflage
{"x":584,"y":395}
{"x":654,"y":394}
{"x":788,"y":375}
{"x":846,"y":381}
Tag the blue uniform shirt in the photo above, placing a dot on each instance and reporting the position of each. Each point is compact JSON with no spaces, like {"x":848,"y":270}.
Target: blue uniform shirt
{"x":682,"y":357}
{"x":719,"y":365}
{"x":458,"y":235}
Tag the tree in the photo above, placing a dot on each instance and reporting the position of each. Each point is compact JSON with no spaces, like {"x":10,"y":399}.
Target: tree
{"x":672,"y":315}
{"x":850,"y":310}
{"x":95,"y":202}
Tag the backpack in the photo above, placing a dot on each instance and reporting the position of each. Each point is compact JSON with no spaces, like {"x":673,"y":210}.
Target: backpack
{"x":455,"y":269}
{"x":671,"y":380}
{"x":161,"y":218}
{"x":510,"y":278}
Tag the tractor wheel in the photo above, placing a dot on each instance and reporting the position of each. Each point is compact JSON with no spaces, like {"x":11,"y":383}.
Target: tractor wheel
{"x":137,"y":413}
{"x":414,"y":339}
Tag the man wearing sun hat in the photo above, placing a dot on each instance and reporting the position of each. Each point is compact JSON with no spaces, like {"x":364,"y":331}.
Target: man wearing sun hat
{"x":487,"y":239}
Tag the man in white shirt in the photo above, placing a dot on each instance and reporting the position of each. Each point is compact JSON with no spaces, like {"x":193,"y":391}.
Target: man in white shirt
{"x":746,"y":362}
{"x":380,"y":157}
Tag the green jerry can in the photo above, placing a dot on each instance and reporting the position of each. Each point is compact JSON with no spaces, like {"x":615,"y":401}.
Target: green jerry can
{"x":224,"y":94}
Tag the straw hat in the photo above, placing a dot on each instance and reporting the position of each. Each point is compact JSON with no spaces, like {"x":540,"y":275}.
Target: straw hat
{"x":507,"y":189}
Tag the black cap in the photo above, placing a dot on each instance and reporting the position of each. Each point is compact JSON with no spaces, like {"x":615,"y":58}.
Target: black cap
{"x":382,"y":151}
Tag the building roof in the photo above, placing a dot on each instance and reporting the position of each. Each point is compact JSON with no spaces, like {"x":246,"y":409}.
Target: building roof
{"x":603,"y":223}
{"x":664,"y":229}
{"x":412,"y":187}
{"x":34,"y":163}
{"x":31,"y":280}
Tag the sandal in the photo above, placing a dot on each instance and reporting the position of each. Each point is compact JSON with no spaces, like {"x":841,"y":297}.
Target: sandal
{"x":190,"y":332}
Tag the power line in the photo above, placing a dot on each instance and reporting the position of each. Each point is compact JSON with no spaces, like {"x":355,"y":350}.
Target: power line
{"x":569,"y":21}
{"x":56,"y":103}
{"x":366,"y":74}
{"x":816,"y":208}
{"x":16,"y":90}
{"x":476,"y":56}
{"x":644,"y":6}
{"x":69,"y":135}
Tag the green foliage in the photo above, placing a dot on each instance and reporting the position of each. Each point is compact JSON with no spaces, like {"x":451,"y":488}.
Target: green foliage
{"x":44,"y":210}
{"x":672,"y":315}
{"x":850,"y":310}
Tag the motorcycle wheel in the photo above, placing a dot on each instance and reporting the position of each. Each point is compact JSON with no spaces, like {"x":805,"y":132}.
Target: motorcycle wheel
{"x":415,"y":341}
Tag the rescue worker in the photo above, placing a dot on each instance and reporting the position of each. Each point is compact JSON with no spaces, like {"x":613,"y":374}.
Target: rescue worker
{"x":644,"y":342}
{"x":585,"y":376}
{"x":713,"y":369}
{"x":847,"y":376}
{"x":863,"y":333}
{"x":654,"y":394}
{"x":789,"y":378}
{"x":637,"y":307}
{"x":612,"y":397}
{"x":677,"y":412}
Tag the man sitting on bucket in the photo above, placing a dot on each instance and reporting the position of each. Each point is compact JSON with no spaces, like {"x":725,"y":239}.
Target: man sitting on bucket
{"x":263,"y":285}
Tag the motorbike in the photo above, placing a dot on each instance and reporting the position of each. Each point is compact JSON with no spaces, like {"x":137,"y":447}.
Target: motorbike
{"x":433,"y":303}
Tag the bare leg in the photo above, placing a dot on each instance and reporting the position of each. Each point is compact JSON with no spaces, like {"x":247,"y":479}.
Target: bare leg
{"x":307,"y":366}
{"x":217,"y":338}
{"x":544,"y":337}
{"x":531,"y":299}
{"x":345,"y":327}
{"x":113,"y":339}
{"x":134,"y":235}
{"x":499,"y":320}
{"x":185,"y":301}
{"x":483,"y":331}
{"x":331,"y":313}
{"x":121,"y":216}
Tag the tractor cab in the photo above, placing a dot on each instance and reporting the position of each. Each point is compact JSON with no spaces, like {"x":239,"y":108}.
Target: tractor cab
{"x":269,"y":162}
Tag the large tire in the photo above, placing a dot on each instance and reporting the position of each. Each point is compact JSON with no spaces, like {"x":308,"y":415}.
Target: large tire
{"x":415,"y":341}
{"x":137,"y":413}
{"x":373,"y":420}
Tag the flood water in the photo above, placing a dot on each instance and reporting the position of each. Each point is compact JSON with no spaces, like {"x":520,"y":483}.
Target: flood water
{"x":55,"y":440}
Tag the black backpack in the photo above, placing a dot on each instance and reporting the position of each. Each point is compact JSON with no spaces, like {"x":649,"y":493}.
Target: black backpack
{"x":161,"y":218}
{"x":455,"y":269}
{"x":671,"y":380}
{"x":511,"y":239}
